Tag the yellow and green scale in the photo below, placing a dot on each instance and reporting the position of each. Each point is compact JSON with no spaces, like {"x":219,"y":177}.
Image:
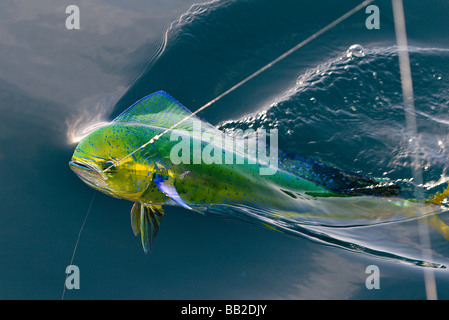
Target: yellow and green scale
{"x":111,"y":159}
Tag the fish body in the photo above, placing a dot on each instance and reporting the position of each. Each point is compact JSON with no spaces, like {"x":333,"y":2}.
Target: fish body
{"x":196,"y":166}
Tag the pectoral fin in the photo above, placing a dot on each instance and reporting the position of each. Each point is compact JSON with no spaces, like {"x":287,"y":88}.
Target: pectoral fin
{"x":146,"y":220}
{"x":135,"y":218}
{"x":168,"y":188}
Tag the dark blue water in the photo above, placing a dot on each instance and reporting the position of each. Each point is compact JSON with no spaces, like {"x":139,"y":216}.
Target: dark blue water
{"x":342,"y":110}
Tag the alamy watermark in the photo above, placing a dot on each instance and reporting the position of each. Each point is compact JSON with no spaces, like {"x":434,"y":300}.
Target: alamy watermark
{"x":373,"y":280}
{"x":73,"y":20}
{"x":373,"y":20}
{"x":210,"y":146}
{"x":72,"y":280}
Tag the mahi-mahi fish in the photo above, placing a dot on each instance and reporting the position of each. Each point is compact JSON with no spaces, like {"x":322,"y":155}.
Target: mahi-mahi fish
{"x":107,"y":160}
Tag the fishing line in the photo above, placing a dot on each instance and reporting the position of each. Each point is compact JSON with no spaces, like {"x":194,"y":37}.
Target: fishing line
{"x":264,"y":68}
{"x":413,"y":145}
{"x":77,"y":241}
{"x":407,"y":89}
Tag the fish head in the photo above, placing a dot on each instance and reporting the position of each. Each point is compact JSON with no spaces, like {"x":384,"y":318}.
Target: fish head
{"x":102,"y":161}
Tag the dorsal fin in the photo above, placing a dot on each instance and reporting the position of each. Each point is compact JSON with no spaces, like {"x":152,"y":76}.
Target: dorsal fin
{"x":161,"y":110}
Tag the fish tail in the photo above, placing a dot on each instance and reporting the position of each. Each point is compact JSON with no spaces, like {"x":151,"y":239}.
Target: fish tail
{"x":439,"y":197}
{"x":435,"y":221}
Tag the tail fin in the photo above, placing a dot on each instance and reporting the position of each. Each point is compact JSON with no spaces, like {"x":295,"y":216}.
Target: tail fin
{"x":435,"y":220}
{"x":439,"y":197}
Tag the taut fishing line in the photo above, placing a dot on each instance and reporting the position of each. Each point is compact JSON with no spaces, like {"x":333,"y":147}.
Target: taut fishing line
{"x":77,"y":241}
{"x":264,"y":68}
{"x":269,"y":65}
{"x":407,"y":89}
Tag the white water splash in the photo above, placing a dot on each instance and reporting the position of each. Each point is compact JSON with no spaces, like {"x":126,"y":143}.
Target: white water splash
{"x":94,"y":113}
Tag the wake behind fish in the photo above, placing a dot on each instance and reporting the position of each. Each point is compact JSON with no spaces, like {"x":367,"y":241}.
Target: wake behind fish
{"x":390,"y":239}
{"x":347,"y":112}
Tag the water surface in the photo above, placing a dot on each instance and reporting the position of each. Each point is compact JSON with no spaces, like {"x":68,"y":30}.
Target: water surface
{"x":342,"y":110}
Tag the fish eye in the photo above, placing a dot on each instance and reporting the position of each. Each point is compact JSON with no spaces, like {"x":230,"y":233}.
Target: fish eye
{"x":110,"y":165}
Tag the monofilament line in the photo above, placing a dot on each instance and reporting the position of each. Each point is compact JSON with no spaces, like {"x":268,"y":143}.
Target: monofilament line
{"x":78,"y":240}
{"x":255,"y":74}
{"x":413,"y":143}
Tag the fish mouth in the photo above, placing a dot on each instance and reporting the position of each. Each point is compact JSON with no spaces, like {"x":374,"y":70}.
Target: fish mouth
{"x":79,"y":166}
